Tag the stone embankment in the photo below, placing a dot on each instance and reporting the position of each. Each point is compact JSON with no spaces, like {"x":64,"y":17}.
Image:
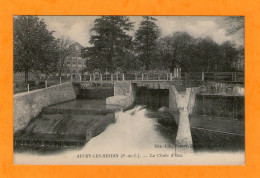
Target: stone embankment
{"x":124,"y":95}
{"x":181,"y":105}
{"x":227,"y":89}
{"x":28,"y":105}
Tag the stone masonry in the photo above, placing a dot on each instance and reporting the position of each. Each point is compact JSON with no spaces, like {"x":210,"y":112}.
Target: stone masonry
{"x":28,"y":105}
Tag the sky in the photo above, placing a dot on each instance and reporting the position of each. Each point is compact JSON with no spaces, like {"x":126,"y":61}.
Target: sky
{"x":77,"y":28}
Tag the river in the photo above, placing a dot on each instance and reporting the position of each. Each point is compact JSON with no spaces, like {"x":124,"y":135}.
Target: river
{"x":134,"y":139}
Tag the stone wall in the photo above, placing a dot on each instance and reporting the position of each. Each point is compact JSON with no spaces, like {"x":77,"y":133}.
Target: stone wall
{"x":173,"y":104}
{"x":122,"y":88}
{"x":173,"y":99}
{"x":28,"y":105}
{"x":181,"y":105}
{"x":218,"y":88}
{"x":124,"y":94}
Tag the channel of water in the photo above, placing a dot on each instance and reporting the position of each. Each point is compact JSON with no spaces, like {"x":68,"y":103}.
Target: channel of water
{"x":90,"y":123}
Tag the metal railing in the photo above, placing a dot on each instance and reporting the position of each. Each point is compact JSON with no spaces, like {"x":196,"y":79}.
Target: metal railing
{"x":22,"y":87}
{"x":194,"y":76}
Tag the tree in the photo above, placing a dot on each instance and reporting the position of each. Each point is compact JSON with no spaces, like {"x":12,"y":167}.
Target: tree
{"x":197,"y":55}
{"x":34,"y":46}
{"x":111,"y":44}
{"x":63,"y":48}
{"x":175,"y":50}
{"x":240,"y":61}
{"x":207,"y":54}
{"x":146,"y":38}
{"x":234,"y":24}
{"x":165,"y":51}
{"x":48,"y":58}
{"x":181,"y":49}
{"x":229,"y":55}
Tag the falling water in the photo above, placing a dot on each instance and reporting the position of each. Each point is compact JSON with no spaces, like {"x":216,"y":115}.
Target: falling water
{"x":132,"y":139}
{"x":132,"y":132}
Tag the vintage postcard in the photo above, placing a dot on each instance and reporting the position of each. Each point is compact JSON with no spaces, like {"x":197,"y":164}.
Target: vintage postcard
{"x":128,"y":90}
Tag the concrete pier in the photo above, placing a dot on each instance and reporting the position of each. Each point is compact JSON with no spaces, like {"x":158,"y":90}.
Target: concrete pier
{"x":124,"y":94}
{"x":181,"y":105}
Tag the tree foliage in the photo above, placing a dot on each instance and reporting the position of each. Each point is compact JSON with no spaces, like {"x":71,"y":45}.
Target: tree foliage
{"x":145,"y":40}
{"x":175,"y":49}
{"x":63,"y":49}
{"x":197,"y":55}
{"x":234,"y":24}
{"x":35,"y":49}
{"x":111,"y":43}
{"x":112,"y":46}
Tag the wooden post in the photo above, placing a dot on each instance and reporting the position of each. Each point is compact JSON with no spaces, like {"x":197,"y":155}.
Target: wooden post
{"x":123,"y":77}
{"x":235,"y":76}
{"x":79,"y":77}
{"x":111,"y":77}
{"x":142,"y":76}
{"x":101,"y":77}
{"x":202,"y":76}
{"x":28,"y":87}
{"x":236,"y":107}
{"x":170,"y":76}
{"x":202,"y":110}
{"x":60,"y":80}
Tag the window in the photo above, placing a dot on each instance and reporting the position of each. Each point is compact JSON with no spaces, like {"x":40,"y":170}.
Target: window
{"x":68,"y":63}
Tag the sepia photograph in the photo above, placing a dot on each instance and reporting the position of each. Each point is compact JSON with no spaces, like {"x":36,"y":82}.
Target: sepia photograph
{"x":128,"y":90}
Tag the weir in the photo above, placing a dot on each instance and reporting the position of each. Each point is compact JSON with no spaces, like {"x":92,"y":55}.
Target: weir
{"x":75,"y":121}
{"x":125,"y":94}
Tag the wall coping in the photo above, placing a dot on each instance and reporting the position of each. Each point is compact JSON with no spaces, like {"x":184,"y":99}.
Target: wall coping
{"x":38,"y":90}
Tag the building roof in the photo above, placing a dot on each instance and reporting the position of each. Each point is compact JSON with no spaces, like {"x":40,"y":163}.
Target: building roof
{"x":76,"y":46}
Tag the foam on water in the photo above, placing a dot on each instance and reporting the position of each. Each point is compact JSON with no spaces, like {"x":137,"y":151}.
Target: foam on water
{"x":132,"y":133}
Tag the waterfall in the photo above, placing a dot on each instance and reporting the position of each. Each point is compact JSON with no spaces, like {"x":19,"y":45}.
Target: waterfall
{"x":132,"y":132}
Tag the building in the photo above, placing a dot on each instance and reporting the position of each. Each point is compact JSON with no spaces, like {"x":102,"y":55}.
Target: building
{"x":19,"y":77}
{"x":74,"y":61}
